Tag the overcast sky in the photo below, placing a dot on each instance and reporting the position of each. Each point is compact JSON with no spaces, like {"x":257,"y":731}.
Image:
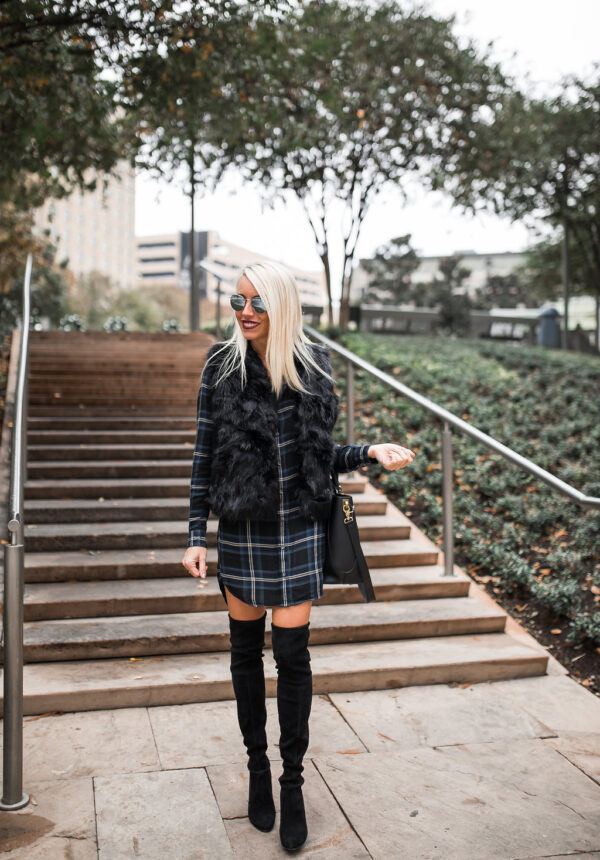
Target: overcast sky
{"x":543,"y":39}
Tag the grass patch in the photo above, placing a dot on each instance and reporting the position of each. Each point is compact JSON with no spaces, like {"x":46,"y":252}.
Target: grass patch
{"x":513,"y":532}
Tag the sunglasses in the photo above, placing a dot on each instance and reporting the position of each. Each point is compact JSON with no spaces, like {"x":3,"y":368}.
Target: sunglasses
{"x":238,"y":303}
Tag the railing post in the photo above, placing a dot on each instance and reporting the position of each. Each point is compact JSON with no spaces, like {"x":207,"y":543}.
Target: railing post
{"x":447,"y":513}
{"x":350,"y":404}
{"x":14,"y":566}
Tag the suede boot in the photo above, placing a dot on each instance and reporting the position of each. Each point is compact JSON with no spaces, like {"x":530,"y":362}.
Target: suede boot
{"x":294,"y":701}
{"x":247,"y":674}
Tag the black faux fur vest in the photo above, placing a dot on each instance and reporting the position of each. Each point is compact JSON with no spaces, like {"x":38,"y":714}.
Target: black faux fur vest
{"x":244,"y":482}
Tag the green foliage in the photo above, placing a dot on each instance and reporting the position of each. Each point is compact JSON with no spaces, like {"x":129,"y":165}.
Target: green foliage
{"x":508,"y":523}
{"x":48,"y":290}
{"x":71,"y":322}
{"x":353,"y":97}
{"x":538,"y":159}
{"x":116,"y":324}
{"x":390,"y":270}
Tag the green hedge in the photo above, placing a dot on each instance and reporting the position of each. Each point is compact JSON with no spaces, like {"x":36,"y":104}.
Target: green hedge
{"x":508,"y":524}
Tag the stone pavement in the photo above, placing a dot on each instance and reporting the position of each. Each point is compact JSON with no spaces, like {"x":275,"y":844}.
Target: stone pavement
{"x":504,"y":769}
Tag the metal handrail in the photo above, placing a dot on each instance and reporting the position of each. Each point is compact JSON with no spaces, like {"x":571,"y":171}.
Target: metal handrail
{"x":13,"y":796}
{"x":449,"y":419}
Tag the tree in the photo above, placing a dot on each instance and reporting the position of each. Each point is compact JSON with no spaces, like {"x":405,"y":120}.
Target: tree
{"x":184,"y":99}
{"x":446,"y":293}
{"x":538,"y":160}
{"x":48,"y":280}
{"x":359,"y":97}
{"x":390,"y":271}
{"x":542,"y":268}
{"x":59,"y":99}
{"x":506,"y":291}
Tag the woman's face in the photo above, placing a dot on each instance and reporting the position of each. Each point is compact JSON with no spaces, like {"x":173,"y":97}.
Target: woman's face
{"x":254,"y":326}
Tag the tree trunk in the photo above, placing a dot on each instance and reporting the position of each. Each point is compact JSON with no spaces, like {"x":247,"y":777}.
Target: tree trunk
{"x":325,"y":260}
{"x":565,"y":283}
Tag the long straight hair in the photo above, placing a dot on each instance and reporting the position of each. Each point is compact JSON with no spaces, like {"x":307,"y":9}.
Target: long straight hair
{"x":286,"y":340}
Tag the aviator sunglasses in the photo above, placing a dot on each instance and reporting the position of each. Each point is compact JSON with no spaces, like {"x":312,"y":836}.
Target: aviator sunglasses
{"x":238,"y":303}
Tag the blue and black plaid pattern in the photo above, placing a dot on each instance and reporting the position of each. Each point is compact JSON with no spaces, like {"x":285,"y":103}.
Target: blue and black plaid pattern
{"x":266,"y":562}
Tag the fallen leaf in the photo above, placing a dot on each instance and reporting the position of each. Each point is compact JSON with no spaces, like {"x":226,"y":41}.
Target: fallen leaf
{"x":350,"y":752}
{"x":556,"y":630}
{"x":135,"y":659}
{"x":381,"y":735}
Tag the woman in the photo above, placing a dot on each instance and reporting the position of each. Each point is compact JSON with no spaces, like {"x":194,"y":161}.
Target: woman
{"x":263,"y":453}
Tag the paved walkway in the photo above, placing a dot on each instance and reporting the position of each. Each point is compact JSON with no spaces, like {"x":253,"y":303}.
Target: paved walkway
{"x":505,"y":769}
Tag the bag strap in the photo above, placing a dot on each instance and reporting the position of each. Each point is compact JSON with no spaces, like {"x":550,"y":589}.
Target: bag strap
{"x":336,"y":481}
{"x":365,"y":585}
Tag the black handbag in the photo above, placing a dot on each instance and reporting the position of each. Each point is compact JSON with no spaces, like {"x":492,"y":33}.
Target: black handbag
{"x":344,"y":559}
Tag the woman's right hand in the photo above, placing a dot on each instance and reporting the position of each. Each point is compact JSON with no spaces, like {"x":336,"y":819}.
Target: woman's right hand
{"x":194,"y":561}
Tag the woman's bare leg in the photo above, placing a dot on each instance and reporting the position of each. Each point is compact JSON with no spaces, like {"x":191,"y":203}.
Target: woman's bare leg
{"x":292,"y":616}
{"x":243,"y":611}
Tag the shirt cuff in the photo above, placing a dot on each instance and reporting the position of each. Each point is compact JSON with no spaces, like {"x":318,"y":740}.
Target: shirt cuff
{"x":195,"y":539}
{"x":368,"y":459}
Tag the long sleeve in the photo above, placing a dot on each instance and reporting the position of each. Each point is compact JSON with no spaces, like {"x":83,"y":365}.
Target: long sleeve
{"x":201,"y":468}
{"x":350,"y":457}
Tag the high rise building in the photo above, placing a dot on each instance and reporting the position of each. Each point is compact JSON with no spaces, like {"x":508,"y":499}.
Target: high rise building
{"x":95,"y":230}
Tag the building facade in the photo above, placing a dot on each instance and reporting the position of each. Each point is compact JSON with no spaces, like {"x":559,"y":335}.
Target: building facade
{"x":165,"y":260}
{"x":95,"y":230}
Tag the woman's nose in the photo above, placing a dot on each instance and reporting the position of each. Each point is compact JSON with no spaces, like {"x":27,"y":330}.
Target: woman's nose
{"x":248,"y":310}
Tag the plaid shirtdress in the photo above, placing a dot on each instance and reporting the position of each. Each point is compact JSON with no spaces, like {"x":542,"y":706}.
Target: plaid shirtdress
{"x":266,"y":562}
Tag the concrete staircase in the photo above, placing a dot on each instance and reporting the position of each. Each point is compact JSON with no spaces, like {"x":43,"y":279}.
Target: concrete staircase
{"x":112,"y":619}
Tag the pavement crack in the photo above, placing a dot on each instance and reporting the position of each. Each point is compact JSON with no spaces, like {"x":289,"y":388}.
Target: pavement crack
{"x":562,"y":803}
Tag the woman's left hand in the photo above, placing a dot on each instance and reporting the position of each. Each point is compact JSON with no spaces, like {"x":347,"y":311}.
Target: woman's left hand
{"x":391,"y":456}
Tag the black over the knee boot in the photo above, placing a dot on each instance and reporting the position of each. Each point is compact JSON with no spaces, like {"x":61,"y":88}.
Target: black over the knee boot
{"x":247,"y":674}
{"x":294,"y":700}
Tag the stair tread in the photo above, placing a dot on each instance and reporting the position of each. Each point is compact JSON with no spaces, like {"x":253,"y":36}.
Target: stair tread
{"x":178,"y":624}
{"x":90,"y":558}
{"x":170,"y":526}
{"x":388,"y":663}
{"x":128,"y":589}
{"x":162,"y":501}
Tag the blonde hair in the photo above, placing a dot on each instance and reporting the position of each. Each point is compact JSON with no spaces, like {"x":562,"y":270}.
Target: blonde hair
{"x":286,"y":340}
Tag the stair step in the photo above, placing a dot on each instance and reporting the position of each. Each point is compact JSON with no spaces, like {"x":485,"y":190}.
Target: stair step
{"x":110,"y":469}
{"x":56,"y":600}
{"x":84,"y":685}
{"x":186,"y":632}
{"x":118,"y":488}
{"x":166,"y":533}
{"x":116,"y":400}
{"x":112,"y":564}
{"x":60,"y":411}
{"x":75,"y":423}
{"x":122,"y":510}
{"x":91,"y":452}
{"x":74,"y":438}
